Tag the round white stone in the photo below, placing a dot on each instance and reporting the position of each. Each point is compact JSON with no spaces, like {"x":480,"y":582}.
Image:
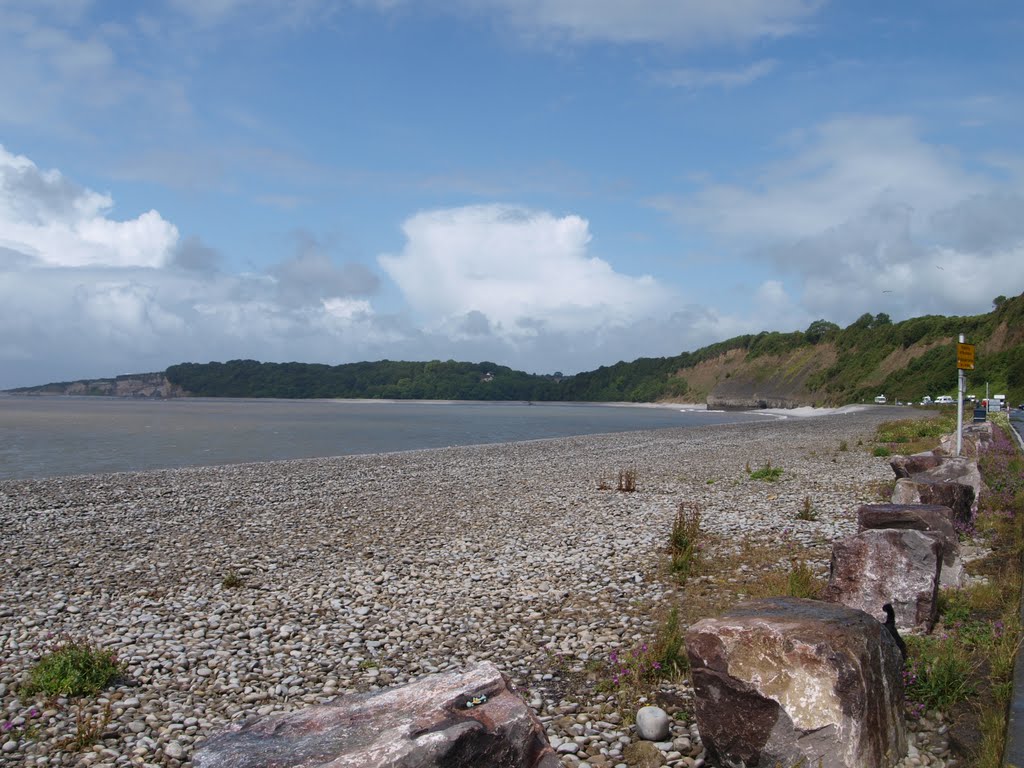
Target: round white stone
{"x":652,"y":723}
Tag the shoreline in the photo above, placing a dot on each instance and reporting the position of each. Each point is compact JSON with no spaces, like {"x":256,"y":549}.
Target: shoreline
{"x":368,"y":571}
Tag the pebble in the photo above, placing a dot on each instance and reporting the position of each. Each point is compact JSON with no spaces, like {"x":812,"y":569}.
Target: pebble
{"x":360,"y":573}
{"x":652,"y":724}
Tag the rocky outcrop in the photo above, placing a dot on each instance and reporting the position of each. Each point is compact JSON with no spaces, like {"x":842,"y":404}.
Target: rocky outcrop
{"x":901,"y":567}
{"x":724,"y":402}
{"x":787,"y":681}
{"x":919,"y":517}
{"x":131,"y":385}
{"x":454,"y":719}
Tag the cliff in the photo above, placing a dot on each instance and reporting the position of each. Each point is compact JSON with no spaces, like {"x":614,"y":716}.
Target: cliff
{"x":130,"y":385}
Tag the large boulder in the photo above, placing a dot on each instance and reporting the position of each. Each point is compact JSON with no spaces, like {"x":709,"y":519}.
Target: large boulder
{"x":787,"y":681}
{"x":430,"y":722}
{"x":906,"y":466}
{"x":919,"y":517}
{"x":894,"y":566}
{"x":976,"y":438}
{"x":925,"y":489}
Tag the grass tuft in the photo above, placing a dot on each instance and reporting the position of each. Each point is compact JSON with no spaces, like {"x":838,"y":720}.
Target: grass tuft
{"x":89,"y":729}
{"x":232,"y":580}
{"x":684,"y":544}
{"x":807,"y":511}
{"x":74,"y":668}
{"x":768,"y":473}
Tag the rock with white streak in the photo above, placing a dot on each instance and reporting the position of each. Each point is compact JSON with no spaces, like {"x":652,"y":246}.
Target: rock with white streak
{"x":451,"y":719}
{"x":787,"y":681}
{"x":901,"y":567}
{"x":919,"y":517}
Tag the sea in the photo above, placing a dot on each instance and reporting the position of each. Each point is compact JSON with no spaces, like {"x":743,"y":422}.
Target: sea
{"x":49,"y":436}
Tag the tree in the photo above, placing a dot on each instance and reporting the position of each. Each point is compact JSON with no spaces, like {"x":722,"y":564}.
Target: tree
{"x":998,"y":301}
{"x":818,"y":330}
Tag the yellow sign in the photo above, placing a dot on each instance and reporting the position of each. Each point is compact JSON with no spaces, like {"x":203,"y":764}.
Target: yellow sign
{"x":965,"y":357}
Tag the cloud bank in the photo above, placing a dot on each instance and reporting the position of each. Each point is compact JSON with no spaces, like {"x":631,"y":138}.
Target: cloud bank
{"x":85,"y":294}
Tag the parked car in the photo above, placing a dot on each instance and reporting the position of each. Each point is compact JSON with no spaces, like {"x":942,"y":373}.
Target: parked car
{"x":880,"y":400}
{"x":926,"y":400}
{"x":944,"y":400}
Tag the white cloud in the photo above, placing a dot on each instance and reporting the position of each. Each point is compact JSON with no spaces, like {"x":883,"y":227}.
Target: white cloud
{"x":681,"y":22}
{"x":705,"y":78}
{"x":866,"y":215}
{"x":840,"y":170}
{"x":82,"y":294}
{"x":46,"y":217}
{"x":527,"y":272}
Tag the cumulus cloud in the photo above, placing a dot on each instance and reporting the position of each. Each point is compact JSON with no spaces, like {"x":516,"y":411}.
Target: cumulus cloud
{"x":525,"y":272}
{"x":57,"y":223}
{"x":83,"y":294}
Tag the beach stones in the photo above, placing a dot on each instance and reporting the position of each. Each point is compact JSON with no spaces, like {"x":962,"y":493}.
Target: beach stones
{"x":787,"y":681}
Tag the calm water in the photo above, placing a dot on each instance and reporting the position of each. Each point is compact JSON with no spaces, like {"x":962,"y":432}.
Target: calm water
{"x":48,"y":436}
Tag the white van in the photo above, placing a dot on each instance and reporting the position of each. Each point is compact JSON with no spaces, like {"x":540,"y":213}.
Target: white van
{"x":880,"y":400}
{"x":944,"y":400}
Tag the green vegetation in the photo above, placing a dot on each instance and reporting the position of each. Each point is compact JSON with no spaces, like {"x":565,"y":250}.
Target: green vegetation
{"x":907,"y":436}
{"x":89,"y":729}
{"x":73,"y":668}
{"x":768,"y":473}
{"x":965,"y":667}
{"x":827,"y":364}
{"x":632,"y":673}
{"x":232,"y":580}
{"x":807,"y":511}
{"x":434,"y":380}
{"x":684,"y":541}
{"x":798,"y":581}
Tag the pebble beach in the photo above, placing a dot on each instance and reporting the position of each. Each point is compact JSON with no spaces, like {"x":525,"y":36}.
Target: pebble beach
{"x":234,"y":591}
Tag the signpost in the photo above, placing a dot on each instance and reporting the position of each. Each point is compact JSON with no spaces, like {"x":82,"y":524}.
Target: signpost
{"x":964,"y":362}
{"x":964,"y":355}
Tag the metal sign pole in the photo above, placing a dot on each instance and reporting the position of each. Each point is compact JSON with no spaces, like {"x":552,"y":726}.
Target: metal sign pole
{"x":959,"y":405}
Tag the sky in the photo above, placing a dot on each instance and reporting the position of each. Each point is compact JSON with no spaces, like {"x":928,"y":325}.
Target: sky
{"x":552,"y":185}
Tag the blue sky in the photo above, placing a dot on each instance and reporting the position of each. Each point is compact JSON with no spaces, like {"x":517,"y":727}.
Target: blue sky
{"x":547,"y":184}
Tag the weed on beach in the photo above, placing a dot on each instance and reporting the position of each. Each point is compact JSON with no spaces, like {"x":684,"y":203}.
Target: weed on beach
{"x":89,"y":729}
{"x":684,"y":541}
{"x":907,"y":436}
{"x":626,"y":481}
{"x":630,"y":674}
{"x":807,"y":511}
{"x":768,"y":473}
{"x":73,"y":668}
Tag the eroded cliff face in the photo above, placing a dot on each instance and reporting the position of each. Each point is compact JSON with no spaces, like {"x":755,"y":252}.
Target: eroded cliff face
{"x":772,"y":381}
{"x":131,"y":385}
